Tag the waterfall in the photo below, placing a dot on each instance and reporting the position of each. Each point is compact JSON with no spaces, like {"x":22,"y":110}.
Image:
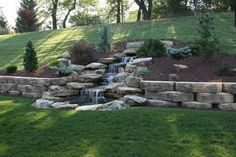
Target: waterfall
{"x":92,"y":96}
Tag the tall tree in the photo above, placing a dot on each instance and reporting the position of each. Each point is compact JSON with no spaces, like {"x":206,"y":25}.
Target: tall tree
{"x":54,"y":13}
{"x":145,"y":7}
{"x":70,"y":5}
{"x":3,"y":21}
{"x":117,"y":8}
{"x":27,"y":16}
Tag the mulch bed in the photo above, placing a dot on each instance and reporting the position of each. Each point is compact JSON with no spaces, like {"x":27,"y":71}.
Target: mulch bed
{"x":42,"y":72}
{"x":198,"y":69}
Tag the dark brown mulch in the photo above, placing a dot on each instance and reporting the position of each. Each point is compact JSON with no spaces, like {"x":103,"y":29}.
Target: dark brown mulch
{"x":198,"y":69}
{"x":42,"y":72}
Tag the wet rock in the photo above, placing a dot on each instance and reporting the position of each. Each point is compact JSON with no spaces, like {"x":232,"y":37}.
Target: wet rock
{"x":95,"y":66}
{"x":42,"y":103}
{"x":120,"y":77}
{"x":79,"y":86}
{"x":92,"y":78}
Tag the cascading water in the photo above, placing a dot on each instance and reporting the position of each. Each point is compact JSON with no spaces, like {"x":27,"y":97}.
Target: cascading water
{"x":96,"y":95}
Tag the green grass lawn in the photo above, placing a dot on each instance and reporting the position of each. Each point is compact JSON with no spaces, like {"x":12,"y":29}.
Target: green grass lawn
{"x":52,"y":44}
{"x":141,"y":132}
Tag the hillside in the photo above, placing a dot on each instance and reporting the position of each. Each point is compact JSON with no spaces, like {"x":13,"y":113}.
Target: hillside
{"x":52,"y":44}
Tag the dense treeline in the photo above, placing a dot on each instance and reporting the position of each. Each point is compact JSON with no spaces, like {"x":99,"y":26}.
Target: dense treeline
{"x":34,"y":15}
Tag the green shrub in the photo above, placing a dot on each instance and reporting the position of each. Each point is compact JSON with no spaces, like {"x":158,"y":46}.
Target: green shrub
{"x":54,"y":63}
{"x":104,"y":44}
{"x":11,"y":69}
{"x":194,"y":49}
{"x":142,"y":73}
{"x":83,"y":53}
{"x":152,"y":48}
{"x":224,"y":70}
{"x":207,"y":43}
{"x":180,"y":53}
{"x":64,"y":70}
{"x":30,"y":58}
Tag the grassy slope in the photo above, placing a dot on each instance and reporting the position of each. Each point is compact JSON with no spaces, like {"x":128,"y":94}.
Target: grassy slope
{"x":27,"y":132}
{"x":51,"y":44}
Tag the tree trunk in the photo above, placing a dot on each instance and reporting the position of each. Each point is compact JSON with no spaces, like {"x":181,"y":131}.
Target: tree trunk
{"x":118,"y":12}
{"x":139,"y":14}
{"x":146,"y":12}
{"x":54,"y":13}
{"x":68,"y":13}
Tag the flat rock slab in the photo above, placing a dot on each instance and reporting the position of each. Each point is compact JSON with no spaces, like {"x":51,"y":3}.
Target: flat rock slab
{"x":109,"y":60}
{"x":215,"y":98}
{"x":142,"y":61}
{"x":199,"y":87}
{"x":48,"y":96}
{"x":95,"y":66}
{"x":129,"y":90}
{"x":88,"y":107}
{"x":196,"y":105}
{"x":160,"y":103}
{"x":155,"y":86}
{"x":172,"y":96}
{"x":79,"y":86}
{"x":64,"y":105}
{"x":65,"y":93}
{"x":130,"y":52}
{"x":42,"y":103}
{"x":92,"y":78}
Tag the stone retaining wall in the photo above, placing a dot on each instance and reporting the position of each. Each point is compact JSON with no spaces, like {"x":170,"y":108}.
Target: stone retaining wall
{"x":202,"y":95}
{"x":29,"y":86}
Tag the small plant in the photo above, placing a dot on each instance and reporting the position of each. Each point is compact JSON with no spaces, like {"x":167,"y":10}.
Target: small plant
{"x":64,"y":70}
{"x":30,"y":58}
{"x":11,"y":69}
{"x":179,"y":53}
{"x":142,"y":73}
{"x":207,"y":43}
{"x":83,"y":53}
{"x":152,"y":48}
{"x":54,"y":63}
{"x":104,"y":44}
{"x":224,"y":70}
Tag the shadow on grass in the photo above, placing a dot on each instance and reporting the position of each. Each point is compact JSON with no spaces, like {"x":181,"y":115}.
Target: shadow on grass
{"x":26,"y":132}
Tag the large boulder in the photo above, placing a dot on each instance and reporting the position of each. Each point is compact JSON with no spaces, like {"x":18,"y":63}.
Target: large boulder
{"x":88,"y":107}
{"x":77,"y":68}
{"x":119,"y":56}
{"x":133,"y":100}
{"x":172,"y":96}
{"x":42,"y":103}
{"x":50,"y":97}
{"x":160,"y":103}
{"x":130,"y":52}
{"x":229,"y":88}
{"x":79,"y":86}
{"x":199,"y":87}
{"x":92,"y":78}
{"x":227,"y":107}
{"x":219,"y":98}
{"x":155,"y":86}
{"x":133,"y":81}
{"x":120,"y":77}
{"x":95,"y":66}
{"x":129,"y":90}
{"x":109,"y":60}
{"x":113,"y":105}
{"x":64,"y":105}
{"x":65,"y":93}
{"x":196,"y":105}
